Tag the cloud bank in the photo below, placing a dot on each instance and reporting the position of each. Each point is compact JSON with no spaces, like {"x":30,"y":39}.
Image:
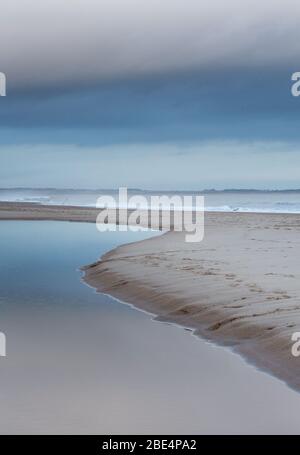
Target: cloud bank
{"x":54,"y":42}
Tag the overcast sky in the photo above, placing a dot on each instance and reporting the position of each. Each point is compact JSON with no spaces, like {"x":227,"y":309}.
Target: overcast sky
{"x":166,"y":94}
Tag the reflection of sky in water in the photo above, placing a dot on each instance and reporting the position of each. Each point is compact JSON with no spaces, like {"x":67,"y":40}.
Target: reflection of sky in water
{"x":84,"y":363}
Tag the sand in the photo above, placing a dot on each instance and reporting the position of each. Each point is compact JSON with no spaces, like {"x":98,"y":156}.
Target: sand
{"x":239,"y":287}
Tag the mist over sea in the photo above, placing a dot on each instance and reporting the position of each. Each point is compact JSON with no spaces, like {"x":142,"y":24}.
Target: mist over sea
{"x":265,"y":201}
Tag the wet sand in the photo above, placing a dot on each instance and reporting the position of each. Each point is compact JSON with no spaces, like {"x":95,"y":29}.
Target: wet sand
{"x":239,"y":287}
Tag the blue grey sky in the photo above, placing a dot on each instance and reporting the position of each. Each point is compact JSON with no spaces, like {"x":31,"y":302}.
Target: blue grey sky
{"x":173,"y":94}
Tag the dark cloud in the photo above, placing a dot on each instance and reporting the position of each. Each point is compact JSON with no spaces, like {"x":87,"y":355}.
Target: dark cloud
{"x":234,"y":103}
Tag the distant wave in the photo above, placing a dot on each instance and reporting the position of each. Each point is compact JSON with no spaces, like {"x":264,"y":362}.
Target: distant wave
{"x":280,"y":207}
{"x":41,"y":199}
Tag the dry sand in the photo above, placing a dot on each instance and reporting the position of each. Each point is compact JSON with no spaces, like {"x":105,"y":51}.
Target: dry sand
{"x":240,"y":286}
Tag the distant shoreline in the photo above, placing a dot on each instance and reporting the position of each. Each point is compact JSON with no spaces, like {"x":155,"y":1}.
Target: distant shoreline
{"x":141,"y":190}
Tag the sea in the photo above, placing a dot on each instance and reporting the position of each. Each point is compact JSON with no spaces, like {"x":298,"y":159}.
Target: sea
{"x":262,"y":201}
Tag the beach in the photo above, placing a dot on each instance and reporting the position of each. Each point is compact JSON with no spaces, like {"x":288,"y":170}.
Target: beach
{"x":239,"y":287}
{"x":149,"y":220}
{"x":81,"y":362}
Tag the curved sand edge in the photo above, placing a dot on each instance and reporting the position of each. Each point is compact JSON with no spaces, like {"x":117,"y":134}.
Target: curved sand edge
{"x":239,"y":287}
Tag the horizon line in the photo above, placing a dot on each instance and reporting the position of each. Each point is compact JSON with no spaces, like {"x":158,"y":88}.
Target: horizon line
{"x":207,"y":190}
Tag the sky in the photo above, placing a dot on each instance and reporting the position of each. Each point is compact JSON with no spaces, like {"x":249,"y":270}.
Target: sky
{"x":164,"y":95}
